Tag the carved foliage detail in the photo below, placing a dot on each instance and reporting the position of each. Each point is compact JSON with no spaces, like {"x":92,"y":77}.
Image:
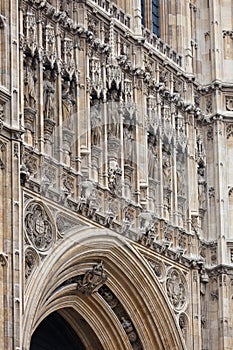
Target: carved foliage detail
{"x":40,"y":231}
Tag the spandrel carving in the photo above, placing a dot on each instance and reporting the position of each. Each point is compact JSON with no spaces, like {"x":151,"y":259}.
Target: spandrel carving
{"x":31,"y":261}
{"x":40,"y":230}
{"x":176,"y":289}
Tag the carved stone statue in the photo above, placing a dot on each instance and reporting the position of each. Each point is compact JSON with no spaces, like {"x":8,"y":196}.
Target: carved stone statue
{"x":201,"y":187}
{"x":166,"y":170}
{"x":128,"y":144}
{"x":96,"y":123}
{"x":152,"y":156}
{"x":67,"y":100}
{"x":180,"y":175}
{"x":182,"y":324}
{"x":114,"y":178}
{"x":149,"y":236}
{"x":29,"y":83}
{"x":48,"y":96}
{"x":114,"y":121}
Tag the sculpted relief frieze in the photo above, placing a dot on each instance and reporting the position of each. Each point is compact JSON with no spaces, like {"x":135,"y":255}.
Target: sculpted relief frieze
{"x":120,"y":312}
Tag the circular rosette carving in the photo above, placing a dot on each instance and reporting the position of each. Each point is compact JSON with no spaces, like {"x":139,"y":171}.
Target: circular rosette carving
{"x":31,"y":261}
{"x":176,"y":289}
{"x":39,"y":226}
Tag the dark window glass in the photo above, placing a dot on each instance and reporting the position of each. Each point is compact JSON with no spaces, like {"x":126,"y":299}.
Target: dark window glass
{"x":143,"y":11}
{"x":155,"y":16}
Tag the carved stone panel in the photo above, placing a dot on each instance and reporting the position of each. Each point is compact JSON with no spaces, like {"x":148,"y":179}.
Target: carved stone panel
{"x":39,"y":227}
{"x":31,"y":261}
{"x":176,"y":289}
{"x":158,"y":268}
{"x":92,"y":280}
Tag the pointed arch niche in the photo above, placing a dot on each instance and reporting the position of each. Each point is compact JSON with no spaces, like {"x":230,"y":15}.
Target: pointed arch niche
{"x":143,"y":319}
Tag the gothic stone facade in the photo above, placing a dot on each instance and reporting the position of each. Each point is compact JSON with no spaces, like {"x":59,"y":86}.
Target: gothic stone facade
{"x":116,"y":173}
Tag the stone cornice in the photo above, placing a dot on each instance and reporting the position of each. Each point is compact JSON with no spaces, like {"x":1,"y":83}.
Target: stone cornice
{"x":220,"y":270}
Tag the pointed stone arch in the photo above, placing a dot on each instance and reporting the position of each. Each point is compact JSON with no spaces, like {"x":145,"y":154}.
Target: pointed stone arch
{"x":129,"y":278}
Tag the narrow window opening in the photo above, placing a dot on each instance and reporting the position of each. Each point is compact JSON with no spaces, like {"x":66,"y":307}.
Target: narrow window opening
{"x":143,"y":12}
{"x":155,"y":17}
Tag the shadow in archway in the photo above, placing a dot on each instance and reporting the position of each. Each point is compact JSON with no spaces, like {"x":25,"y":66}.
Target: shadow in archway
{"x":55,"y":333}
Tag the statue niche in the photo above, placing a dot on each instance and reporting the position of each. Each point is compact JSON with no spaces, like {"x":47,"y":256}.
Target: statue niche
{"x":128,"y":143}
{"x":49,"y":96}
{"x":152,"y":156}
{"x":128,"y":133}
{"x":167,"y":168}
{"x":96,"y":122}
{"x":113,"y":106}
{"x":67,"y":102}
{"x":30,"y":79}
{"x":201,"y":186}
{"x":180,"y":174}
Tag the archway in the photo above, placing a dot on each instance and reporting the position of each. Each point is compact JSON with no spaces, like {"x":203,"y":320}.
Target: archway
{"x":143,"y":306}
{"x":64,"y":329}
{"x":55,"y":333}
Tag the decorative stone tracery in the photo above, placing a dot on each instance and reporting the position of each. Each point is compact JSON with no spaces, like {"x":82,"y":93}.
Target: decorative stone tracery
{"x":39,"y":227}
{"x":176,"y":289}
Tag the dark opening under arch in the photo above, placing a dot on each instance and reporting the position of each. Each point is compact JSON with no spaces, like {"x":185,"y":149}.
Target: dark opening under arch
{"x":55,"y":333}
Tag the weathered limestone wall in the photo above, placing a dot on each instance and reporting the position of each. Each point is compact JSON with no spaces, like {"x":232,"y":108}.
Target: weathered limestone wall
{"x":107,"y":124}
